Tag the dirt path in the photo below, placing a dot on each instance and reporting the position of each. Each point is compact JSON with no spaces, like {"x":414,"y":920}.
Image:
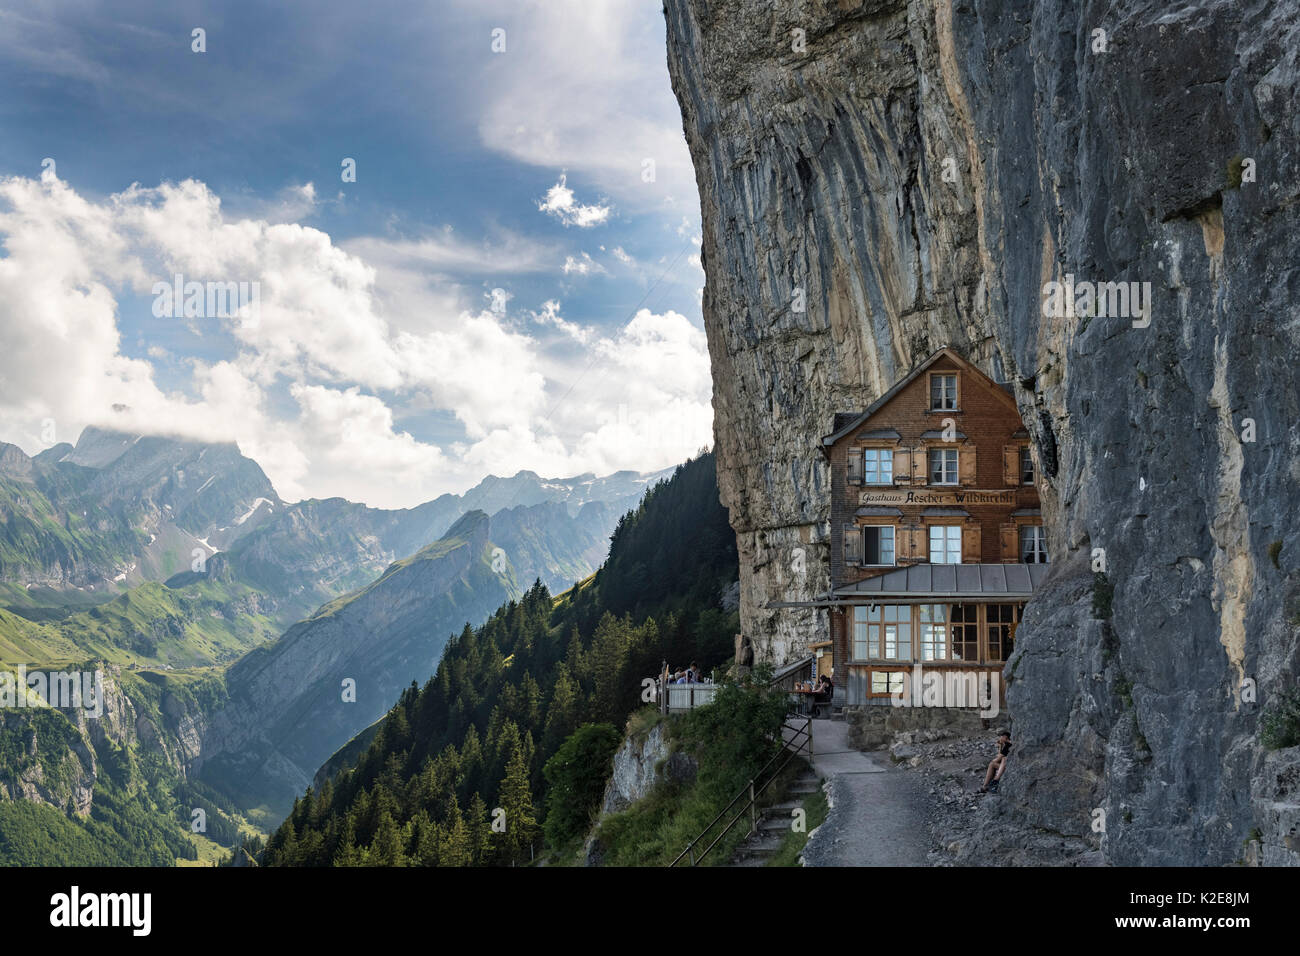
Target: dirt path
{"x":878,"y":813}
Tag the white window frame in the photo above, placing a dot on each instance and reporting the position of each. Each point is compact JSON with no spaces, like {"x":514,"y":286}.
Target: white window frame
{"x":936,"y":638}
{"x":946,"y":533}
{"x":946,"y":395}
{"x":944,"y":469}
{"x":1033,"y":543}
{"x":882,"y":468}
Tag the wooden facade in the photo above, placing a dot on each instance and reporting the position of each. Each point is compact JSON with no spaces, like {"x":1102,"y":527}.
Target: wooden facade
{"x":940,"y":470}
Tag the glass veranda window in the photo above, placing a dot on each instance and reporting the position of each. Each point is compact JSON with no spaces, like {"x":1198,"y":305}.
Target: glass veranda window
{"x":934,"y":632}
{"x":1002,"y":620}
{"x":965,"y":632}
{"x":882,"y":632}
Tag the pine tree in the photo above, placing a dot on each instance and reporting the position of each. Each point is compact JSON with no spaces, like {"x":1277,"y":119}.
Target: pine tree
{"x":480,"y":830}
{"x":386,"y":850}
{"x":288,"y":852}
{"x":347,"y":853}
{"x":517,"y":802}
{"x":575,"y":658}
{"x":455,"y":849}
{"x":609,"y":649}
{"x":530,"y":702}
{"x":562,"y":714}
{"x":425,"y":849}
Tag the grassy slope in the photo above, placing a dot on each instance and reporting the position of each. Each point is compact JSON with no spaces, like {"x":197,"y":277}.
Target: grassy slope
{"x":149,"y":626}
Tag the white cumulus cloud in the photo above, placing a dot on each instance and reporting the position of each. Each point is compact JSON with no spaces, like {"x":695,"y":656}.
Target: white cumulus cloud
{"x":561,"y":203}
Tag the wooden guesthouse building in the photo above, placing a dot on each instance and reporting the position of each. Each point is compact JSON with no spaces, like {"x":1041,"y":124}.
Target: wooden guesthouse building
{"x":936,"y":533}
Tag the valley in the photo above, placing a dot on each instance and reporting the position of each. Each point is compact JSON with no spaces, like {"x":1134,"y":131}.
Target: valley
{"x":241,"y":639}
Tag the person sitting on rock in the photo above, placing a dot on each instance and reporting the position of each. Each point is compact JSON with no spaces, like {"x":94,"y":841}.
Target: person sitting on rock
{"x":998,"y":765}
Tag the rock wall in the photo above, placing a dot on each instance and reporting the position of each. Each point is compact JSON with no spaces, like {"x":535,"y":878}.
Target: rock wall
{"x":642,"y":762}
{"x":59,"y":763}
{"x":883,"y":177}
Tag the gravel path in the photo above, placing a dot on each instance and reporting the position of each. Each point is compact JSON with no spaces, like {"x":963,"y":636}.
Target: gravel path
{"x":878,"y":813}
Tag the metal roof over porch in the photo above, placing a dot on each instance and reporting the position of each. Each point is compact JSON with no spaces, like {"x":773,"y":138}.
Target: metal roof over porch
{"x":973,"y":581}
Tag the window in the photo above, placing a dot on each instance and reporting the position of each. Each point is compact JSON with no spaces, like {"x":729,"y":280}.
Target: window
{"x":1002,"y":620}
{"x":882,"y":632}
{"x":965,"y":632}
{"x":878,"y":466}
{"x":1026,"y":466}
{"x":879,"y":544}
{"x":1033,"y":544}
{"x":945,"y":544}
{"x":860,"y":622}
{"x":943,"y":466}
{"x":934,"y":632}
{"x":943,"y":392}
{"x":887,"y":683}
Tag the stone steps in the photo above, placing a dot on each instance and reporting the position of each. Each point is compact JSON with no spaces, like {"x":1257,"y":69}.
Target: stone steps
{"x":773,"y":824}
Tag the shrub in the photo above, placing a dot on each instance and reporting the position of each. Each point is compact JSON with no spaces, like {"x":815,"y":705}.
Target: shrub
{"x":1103,"y":593}
{"x":731,"y":739}
{"x":576,"y":777}
{"x":1280,"y":725}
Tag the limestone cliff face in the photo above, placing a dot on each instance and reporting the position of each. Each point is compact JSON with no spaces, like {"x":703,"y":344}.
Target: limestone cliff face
{"x":59,"y":759}
{"x":883,"y":177}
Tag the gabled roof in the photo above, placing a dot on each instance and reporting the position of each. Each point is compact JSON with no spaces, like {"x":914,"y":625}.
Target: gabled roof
{"x":845,"y":423}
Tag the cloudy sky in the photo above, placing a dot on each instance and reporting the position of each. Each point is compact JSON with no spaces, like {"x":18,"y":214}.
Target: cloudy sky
{"x":511,"y":282}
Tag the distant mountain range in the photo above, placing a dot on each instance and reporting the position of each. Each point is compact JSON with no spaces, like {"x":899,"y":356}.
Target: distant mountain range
{"x":81,"y":524}
{"x":243,"y":639}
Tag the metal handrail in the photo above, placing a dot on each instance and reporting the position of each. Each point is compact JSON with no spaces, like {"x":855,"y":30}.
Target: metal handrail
{"x":752,"y":804}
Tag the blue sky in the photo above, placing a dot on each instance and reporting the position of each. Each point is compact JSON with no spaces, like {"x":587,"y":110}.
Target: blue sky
{"x":378,"y":367}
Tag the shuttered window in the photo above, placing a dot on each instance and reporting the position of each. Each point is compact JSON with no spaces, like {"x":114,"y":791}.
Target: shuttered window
{"x":903,"y":464}
{"x":852,"y":545}
{"x":878,"y":544}
{"x":855,"y":466}
{"x":1011,"y":465}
